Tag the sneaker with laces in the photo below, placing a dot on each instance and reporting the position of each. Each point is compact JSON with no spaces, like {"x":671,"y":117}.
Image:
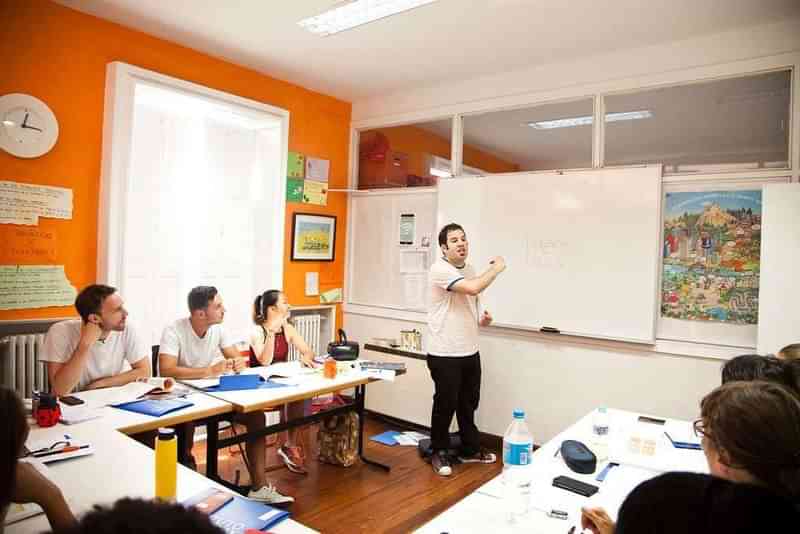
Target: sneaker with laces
{"x":293,"y":458}
{"x":270,"y":495}
{"x":441,"y":464}
{"x":481,"y":457}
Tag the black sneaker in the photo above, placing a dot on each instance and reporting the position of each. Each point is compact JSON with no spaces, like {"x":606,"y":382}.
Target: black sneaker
{"x":441,"y":464}
{"x":481,"y":457}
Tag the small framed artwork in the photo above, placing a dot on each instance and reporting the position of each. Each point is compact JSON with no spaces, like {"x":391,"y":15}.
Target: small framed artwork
{"x":313,"y":237}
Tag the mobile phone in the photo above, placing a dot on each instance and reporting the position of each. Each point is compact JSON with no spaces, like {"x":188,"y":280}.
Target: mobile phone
{"x":69,"y":400}
{"x":653,"y":420}
{"x":575,"y":486}
{"x":214,"y":502}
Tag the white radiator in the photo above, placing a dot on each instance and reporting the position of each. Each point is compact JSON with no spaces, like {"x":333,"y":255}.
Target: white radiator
{"x":308,"y":326}
{"x":20,"y":368}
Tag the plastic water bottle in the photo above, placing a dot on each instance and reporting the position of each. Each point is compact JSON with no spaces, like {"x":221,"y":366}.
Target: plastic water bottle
{"x":517,"y":449}
{"x":166,"y":464}
{"x":600,"y":428}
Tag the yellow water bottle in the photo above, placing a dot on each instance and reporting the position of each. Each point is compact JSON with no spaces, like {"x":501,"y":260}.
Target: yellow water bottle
{"x":166,"y":464}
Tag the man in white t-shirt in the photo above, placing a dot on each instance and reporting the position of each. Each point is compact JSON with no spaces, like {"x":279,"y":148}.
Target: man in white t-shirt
{"x":453,"y":357}
{"x":92,"y":352}
{"x":197,"y":347}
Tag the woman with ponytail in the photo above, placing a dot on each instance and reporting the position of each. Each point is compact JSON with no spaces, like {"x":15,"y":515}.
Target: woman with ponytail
{"x":270,"y":340}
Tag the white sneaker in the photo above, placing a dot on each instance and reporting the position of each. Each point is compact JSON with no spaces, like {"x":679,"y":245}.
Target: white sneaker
{"x":270,"y":495}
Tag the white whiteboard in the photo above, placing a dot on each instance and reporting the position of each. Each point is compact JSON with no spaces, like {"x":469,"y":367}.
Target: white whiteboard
{"x":779,"y":292}
{"x":582,"y":248}
{"x":382,"y":272}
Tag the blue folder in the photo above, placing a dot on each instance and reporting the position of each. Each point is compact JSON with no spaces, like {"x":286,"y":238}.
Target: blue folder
{"x":240,"y":514}
{"x":241,"y":382}
{"x":156,"y":408}
{"x":386,"y":438}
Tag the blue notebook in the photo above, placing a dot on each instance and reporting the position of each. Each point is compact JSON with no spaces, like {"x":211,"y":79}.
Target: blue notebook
{"x":387,"y":438}
{"x":240,"y":514}
{"x":240,"y":382}
{"x":156,"y":408}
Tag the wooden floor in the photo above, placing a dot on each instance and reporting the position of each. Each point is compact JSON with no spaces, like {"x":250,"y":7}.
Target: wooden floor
{"x":362,"y":498}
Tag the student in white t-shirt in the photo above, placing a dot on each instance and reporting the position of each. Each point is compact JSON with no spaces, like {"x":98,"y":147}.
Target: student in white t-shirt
{"x":453,"y":357}
{"x":197,"y":347}
{"x":91,"y":352}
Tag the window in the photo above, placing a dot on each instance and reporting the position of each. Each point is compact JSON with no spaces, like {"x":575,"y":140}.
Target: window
{"x":198,"y":202}
{"x":544,"y":137}
{"x":732,"y":124}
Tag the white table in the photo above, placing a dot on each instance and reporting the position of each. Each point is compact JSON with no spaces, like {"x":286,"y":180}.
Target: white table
{"x":486,"y":509}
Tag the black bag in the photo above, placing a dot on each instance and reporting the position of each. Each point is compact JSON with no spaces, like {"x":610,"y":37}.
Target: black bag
{"x":343,"y":350}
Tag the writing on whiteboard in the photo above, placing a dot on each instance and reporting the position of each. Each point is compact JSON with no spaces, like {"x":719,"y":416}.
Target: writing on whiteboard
{"x":546,"y":253}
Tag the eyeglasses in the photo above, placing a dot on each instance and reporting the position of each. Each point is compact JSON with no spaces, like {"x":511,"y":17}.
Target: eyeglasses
{"x":700,"y":429}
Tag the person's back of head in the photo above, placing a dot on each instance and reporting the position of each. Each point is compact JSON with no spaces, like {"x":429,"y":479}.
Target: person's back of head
{"x":12,"y":415}
{"x":748,"y":367}
{"x":790,"y":352}
{"x":138,"y":516}
{"x":692,"y":503}
{"x":754,"y":428}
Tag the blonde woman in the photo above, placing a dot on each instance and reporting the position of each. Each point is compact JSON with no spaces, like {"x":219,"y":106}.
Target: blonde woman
{"x":270,"y":340}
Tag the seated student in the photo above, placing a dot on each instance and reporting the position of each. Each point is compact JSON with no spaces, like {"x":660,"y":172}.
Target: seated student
{"x":142,"y":517}
{"x":693,"y":503}
{"x":197,"y":347}
{"x":269,"y":343}
{"x":750,"y":435}
{"x":20,"y":482}
{"x":90,"y":352}
{"x":754,"y":367}
{"x":789,"y":352}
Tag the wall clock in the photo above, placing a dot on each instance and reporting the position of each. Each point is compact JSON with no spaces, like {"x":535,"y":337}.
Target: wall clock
{"x":28,"y":127}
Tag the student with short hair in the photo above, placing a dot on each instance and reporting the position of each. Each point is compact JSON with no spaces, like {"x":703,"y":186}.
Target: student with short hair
{"x":749,"y":367}
{"x":750,"y":436}
{"x":142,"y":517}
{"x":92,"y":352}
{"x":453,"y":357}
{"x":198,"y":347}
{"x":20,"y":482}
{"x":270,"y":340}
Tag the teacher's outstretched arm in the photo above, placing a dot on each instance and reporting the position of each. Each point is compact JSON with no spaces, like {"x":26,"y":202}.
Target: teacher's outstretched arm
{"x":474,"y":286}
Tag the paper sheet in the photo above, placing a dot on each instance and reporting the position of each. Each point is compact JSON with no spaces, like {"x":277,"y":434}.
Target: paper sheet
{"x":315,"y":193}
{"x":330,"y":296}
{"x":25,"y":203}
{"x":317,"y":169}
{"x":414,"y":290}
{"x":34,"y":286}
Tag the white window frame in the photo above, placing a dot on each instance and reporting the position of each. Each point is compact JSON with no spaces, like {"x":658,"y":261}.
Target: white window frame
{"x":121,"y":79}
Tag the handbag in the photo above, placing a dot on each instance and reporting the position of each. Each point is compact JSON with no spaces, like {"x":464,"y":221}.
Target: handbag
{"x":343,"y":350}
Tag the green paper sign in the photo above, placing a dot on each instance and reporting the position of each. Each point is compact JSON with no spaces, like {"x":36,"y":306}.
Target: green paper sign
{"x":294,"y":190}
{"x":296,"y":167}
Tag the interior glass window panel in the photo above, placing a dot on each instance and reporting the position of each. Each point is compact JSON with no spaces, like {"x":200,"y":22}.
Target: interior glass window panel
{"x":715,"y":126}
{"x":411,"y":155}
{"x":538,"y":138}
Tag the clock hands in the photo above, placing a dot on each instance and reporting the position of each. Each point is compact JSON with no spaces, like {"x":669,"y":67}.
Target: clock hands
{"x":25,"y":124}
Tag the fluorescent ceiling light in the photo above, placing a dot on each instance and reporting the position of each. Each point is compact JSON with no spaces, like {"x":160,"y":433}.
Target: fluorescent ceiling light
{"x":355,"y":13}
{"x":588,"y":119}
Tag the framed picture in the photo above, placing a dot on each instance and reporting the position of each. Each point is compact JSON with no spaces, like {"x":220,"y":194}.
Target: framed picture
{"x":313,"y":237}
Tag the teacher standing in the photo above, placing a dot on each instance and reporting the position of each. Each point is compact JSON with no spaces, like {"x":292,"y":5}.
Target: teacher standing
{"x":453,"y":357}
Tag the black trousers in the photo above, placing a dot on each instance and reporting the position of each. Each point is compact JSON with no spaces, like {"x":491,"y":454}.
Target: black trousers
{"x":457,"y":388}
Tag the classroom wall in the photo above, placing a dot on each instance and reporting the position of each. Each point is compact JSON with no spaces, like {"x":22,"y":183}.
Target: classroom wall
{"x":60,"y":55}
{"x":418,"y":142}
{"x":558,"y":380}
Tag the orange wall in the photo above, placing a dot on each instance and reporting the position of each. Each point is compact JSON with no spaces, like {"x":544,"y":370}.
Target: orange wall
{"x":59,"y":56}
{"x":416,"y":142}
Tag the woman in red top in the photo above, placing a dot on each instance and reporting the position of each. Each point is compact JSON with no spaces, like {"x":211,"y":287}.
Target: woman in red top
{"x":269,"y":343}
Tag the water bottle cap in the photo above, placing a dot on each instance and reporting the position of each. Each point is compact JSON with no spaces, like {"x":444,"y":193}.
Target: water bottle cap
{"x":519,"y":414}
{"x":166,"y":433}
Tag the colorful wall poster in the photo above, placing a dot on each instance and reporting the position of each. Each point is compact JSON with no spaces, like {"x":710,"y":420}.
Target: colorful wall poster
{"x":315,"y":193}
{"x":294,"y":190}
{"x":712,"y":254}
{"x":296,"y":165}
{"x":313,"y":237}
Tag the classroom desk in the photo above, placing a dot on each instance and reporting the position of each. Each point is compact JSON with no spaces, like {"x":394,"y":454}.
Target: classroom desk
{"x":120,"y":467}
{"x":309,"y":386}
{"x":485,"y":510}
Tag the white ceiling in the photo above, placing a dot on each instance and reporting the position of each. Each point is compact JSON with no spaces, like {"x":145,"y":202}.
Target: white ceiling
{"x":448,"y":40}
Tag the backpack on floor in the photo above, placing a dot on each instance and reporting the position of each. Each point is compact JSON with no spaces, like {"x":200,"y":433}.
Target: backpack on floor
{"x":338,"y":439}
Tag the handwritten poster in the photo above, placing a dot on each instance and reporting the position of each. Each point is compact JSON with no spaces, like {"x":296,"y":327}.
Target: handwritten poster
{"x":27,"y":245}
{"x":25,"y":203}
{"x":315,"y":193}
{"x":296,"y":165}
{"x":317,"y":169}
{"x":34,"y":286}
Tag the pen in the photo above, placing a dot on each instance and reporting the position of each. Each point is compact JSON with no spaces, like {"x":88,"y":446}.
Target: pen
{"x":571,"y":530}
{"x":60,"y":451}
